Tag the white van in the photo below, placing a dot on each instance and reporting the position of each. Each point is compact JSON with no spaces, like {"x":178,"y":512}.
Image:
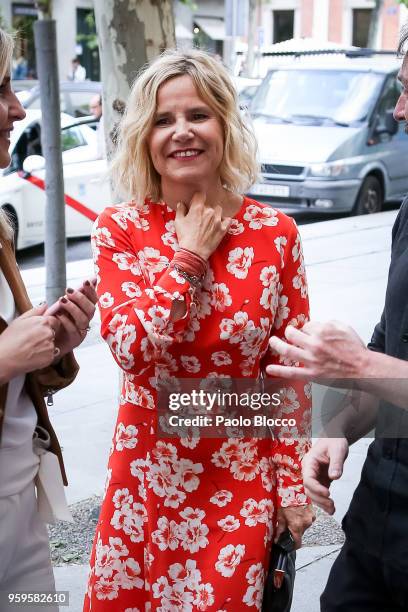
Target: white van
{"x":327,"y":138}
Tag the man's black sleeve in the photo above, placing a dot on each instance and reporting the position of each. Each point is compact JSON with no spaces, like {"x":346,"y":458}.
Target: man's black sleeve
{"x":377,"y":342}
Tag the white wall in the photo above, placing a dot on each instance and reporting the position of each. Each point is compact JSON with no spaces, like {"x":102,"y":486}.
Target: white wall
{"x":5,"y":6}
{"x":403,"y":15}
{"x":212,"y":8}
{"x":320,"y":20}
{"x":64,"y":12}
{"x":65,"y":16}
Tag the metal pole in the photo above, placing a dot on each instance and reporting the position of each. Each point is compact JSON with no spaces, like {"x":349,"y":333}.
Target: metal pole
{"x":233,"y":37}
{"x":55,"y":241}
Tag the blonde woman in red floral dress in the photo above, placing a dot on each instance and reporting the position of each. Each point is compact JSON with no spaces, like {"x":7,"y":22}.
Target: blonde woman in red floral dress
{"x":193,"y":279}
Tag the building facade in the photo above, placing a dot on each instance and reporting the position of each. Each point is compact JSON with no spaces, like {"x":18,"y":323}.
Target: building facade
{"x":340,"y":21}
{"x":219,"y":26}
{"x":75,"y":27}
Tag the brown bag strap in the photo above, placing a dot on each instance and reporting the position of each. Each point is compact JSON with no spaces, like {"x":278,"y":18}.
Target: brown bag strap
{"x":3,"y":388}
{"x":8,"y":266}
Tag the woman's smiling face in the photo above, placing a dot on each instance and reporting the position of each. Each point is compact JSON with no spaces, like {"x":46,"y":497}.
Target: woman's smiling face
{"x":10,"y":111}
{"x":186,"y":143}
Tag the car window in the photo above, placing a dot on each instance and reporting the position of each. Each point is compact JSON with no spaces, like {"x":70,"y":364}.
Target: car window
{"x":72,"y":138}
{"x":35,"y":103}
{"x":75,"y":103}
{"x":343,"y":95}
{"x":389,"y":97}
{"x":29,"y":143}
{"x":78,"y":103}
{"x":18,"y":155}
{"x":247,"y":93}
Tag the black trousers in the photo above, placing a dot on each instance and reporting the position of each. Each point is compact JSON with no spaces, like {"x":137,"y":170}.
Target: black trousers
{"x":360,"y":582}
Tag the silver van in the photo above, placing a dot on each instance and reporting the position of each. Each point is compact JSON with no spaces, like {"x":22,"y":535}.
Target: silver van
{"x":327,"y":138}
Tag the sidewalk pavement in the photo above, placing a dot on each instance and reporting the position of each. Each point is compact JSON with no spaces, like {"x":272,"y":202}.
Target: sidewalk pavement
{"x":347,"y":262}
{"x":313,"y":566}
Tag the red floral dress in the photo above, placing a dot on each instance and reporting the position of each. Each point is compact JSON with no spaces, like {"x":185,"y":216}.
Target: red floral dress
{"x":186,"y":524}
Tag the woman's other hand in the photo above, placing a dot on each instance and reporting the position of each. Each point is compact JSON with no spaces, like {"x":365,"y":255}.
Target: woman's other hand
{"x":75,"y":312}
{"x":297,"y":519}
{"x":200,"y":228}
{"x":28,"y":343}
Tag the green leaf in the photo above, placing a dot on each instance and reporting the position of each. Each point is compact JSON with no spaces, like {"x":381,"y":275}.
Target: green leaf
{"x":190,"y":3}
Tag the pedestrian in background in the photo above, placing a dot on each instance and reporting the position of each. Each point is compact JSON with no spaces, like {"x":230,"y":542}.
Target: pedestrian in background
{"x":20,"y":68}
{"x":35,"y":360}
{"x":193,"y":278}
{"x":78,"y":72}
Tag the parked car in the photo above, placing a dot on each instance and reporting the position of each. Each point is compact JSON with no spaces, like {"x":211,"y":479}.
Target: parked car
{"x":22,"y":88}
{"x":327,"y":138}
{"x":247,"y":88}
{"x":74,"y":96}
{"x":22,"y":194}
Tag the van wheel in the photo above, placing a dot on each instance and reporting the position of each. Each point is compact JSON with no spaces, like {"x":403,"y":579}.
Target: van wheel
{"x":370,"y":198}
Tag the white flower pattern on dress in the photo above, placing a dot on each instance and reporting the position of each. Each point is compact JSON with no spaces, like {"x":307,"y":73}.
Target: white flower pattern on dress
{"x":229,"y":558}
{"x":259,"y":216}
{"x":239,"y":261}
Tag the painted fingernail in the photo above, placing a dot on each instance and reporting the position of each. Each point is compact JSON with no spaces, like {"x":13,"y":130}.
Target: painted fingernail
{"x":63,"y":300}
{"x":87,"y":283}
{"x":70,"y":290}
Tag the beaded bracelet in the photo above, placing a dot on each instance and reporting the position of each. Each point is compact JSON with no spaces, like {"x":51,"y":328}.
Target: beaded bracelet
{"x":193,"y":279}
{"x":191,"y":263}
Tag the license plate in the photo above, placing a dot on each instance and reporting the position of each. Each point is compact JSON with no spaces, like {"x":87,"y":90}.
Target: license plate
{"x":279,"y":191}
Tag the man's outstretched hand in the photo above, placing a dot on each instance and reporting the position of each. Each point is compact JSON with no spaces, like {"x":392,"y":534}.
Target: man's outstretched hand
{"x":326,"y":350}
{"x":321,"y":465}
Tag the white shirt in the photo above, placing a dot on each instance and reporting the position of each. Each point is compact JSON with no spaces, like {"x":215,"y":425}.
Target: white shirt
{"x":18,"y":463}
{"x":79,"y":74}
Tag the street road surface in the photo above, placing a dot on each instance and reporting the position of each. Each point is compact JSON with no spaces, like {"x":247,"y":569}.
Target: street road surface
{"x":33,"y":257}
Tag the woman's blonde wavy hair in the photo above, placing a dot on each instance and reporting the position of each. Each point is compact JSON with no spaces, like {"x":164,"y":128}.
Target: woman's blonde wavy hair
{"x":6,"y":53}
{"x":132,"y":170}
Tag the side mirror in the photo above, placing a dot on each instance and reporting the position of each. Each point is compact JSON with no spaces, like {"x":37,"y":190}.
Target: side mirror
{"x":390,"y":124}
{"x":387,"y":126}
{"x":32,"y":163}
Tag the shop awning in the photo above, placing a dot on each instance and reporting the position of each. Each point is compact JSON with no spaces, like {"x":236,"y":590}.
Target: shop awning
{"x":213,"y":27}
{"x":182,"y":33}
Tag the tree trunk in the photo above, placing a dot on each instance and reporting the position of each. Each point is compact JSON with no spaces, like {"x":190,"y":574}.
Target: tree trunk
{"x":373,"y":29}
{"x":55,"y":238}
{"x":130,"y":33}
